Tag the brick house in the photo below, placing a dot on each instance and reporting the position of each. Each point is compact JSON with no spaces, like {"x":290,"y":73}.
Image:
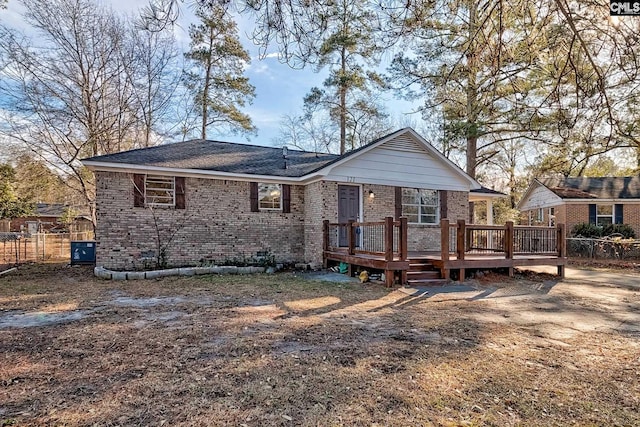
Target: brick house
{"x":48,"y":217}
{"x":217,"y":200}
{"x":572,"y":201}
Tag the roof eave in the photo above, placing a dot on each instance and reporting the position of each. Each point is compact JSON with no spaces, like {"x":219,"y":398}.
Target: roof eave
{"x":195,"y":173}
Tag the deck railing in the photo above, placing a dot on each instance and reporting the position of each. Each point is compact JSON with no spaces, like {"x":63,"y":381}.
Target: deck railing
{"x":386,"y":238}
{"x":460,"y":238}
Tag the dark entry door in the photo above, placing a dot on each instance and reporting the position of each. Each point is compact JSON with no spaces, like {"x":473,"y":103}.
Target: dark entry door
{"x":348,"y":208}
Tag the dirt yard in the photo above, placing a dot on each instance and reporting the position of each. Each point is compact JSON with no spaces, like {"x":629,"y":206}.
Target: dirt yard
{"x":284,"y":350}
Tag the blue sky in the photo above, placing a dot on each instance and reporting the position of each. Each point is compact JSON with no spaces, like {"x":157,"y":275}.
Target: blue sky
{"x":279,"y":88}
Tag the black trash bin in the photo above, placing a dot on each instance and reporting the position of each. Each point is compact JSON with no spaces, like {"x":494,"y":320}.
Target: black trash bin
{"x":83,"y":252}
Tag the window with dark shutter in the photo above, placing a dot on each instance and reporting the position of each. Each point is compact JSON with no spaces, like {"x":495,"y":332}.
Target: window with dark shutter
{"x":619,"y":215}
{"x":180,"y":192}
{"x":253,"y":196}
{"x":592,"y":214}
{"x":138,"y":190}
{"x":286,"y":198}
{"x":443,"y":204}
{"x":398,"y":203}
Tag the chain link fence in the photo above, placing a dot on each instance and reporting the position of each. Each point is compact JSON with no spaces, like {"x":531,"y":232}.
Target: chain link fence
{"x":612,"y":247}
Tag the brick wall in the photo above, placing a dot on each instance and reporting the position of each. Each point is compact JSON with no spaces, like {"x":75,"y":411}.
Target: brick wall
{"x":216,"y":225}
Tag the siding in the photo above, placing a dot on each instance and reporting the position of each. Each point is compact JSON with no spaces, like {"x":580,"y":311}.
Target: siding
{"x":402,"y":162}
{"x":540,"y":197}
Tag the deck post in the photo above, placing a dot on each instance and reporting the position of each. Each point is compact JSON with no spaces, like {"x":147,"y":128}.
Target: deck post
{"x":460,"y":239}
{"x":562,"y":248}
{"x":444,"y":247}
{"x":509,"y":242}
{"x":325,"y":242}
{"x":404,"y":232}
{"x":444,"y":239}
{"x":388,"y":238}
{"x":351,"y":237}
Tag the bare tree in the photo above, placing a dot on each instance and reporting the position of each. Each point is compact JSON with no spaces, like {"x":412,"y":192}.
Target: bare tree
{"x":85,"y":89}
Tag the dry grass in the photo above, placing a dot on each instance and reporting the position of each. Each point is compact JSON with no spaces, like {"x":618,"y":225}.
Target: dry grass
{"x":283,"y":350}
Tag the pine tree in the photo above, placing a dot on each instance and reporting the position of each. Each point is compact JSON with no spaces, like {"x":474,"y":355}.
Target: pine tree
{"x":215,"y":78}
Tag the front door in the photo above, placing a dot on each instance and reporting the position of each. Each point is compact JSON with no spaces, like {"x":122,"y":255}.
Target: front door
{"x":348,"y":209}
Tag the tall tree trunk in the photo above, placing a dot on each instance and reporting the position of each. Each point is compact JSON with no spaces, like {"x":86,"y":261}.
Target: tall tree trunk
{"x":472,"y":100}
{"x":343,"y":101}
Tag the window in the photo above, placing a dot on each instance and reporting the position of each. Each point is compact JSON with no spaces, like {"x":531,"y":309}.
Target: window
{"x":540,"y":216}
{"x":604,"y":214}
{"x":420,"y":206}
{"x":160,"y":190}
{"x":552,"y":217}
{"x":269,"y":196}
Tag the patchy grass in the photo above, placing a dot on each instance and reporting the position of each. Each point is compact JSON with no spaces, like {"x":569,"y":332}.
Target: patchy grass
{"x":281,"y":350}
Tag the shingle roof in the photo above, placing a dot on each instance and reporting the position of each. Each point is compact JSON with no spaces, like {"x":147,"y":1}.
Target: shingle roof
{"x":223,"y":157}
{"x":485,"y":190}
{"x":594,"y":188}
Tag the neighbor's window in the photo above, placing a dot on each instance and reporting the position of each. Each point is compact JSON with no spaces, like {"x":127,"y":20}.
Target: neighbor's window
{"x":604,"y":214}
{"x":269,"y":196}
{"x":160,"y":190}
{"x":420,"y":206}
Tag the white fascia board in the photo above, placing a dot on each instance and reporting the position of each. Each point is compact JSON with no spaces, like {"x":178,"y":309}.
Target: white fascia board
{"x":473,"y":183}
{"x":476,"y":197}
{"x":196,"y":173}
{"x":601,"y":201}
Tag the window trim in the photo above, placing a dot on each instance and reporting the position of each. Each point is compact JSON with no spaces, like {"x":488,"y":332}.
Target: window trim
{"x":172,"y":191}
{"x":612,"y":216}
{"x":420,"y":206}
{"x":280,"y":200}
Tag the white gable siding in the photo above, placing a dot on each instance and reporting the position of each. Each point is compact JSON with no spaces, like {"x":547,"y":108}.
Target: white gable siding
{"x":540,"y":197}
{"x":401,"y":162}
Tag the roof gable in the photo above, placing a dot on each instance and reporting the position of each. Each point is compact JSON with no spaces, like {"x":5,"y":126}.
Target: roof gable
{"x":538,"y":196}
{"x":402,"y":158}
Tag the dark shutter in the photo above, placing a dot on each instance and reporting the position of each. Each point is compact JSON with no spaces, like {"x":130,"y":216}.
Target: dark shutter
{"x":619,"y":216}
{"x":286,"y":198}
{"x":398,"y":203}
{"x":253,"y":196}
{"x":443,"y":204}
{"x":138,"y":190}
{"x":592,"y":214}
{"x":180,"y":192}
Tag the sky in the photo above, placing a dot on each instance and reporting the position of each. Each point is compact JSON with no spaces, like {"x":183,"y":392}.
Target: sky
{"x":279,"y":88}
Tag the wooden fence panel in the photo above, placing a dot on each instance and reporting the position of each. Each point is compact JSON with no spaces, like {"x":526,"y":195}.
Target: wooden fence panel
{"x":16,"y":248}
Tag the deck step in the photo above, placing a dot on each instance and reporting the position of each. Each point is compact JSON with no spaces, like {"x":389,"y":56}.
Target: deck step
{"x":426,"y":282}
{"x":416,"y":275}
{"x":420,"y":267}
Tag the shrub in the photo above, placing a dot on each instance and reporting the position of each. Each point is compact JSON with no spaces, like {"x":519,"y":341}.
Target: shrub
{"x":586,"y":230}
{"x":624,"y":229}
{"x":593,"y":231}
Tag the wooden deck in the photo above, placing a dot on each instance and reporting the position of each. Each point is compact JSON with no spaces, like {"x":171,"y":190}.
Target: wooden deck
{"x":383,"y":246}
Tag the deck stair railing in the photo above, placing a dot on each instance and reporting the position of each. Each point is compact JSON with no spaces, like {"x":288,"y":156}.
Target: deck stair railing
{"x":460,"y":239}
{"x":386,"y":238}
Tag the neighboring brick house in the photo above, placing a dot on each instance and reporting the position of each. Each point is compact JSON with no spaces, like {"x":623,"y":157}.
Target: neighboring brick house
{"x":572,"y":201}
{"x":214,"y":201}
{"x":47,"y":217}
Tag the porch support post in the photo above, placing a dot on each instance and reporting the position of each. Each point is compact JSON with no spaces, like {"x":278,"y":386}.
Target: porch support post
{"x":444,"y":247}
{"x":489,"y":212}
{"x":460,"y":239}
{"x":325,"y":242}
{"x":388,"y":238}
{"x":508,"y":244}
{"x":404,"y":252}
{"x":351,"y":237}
{"x":562,"y":248}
